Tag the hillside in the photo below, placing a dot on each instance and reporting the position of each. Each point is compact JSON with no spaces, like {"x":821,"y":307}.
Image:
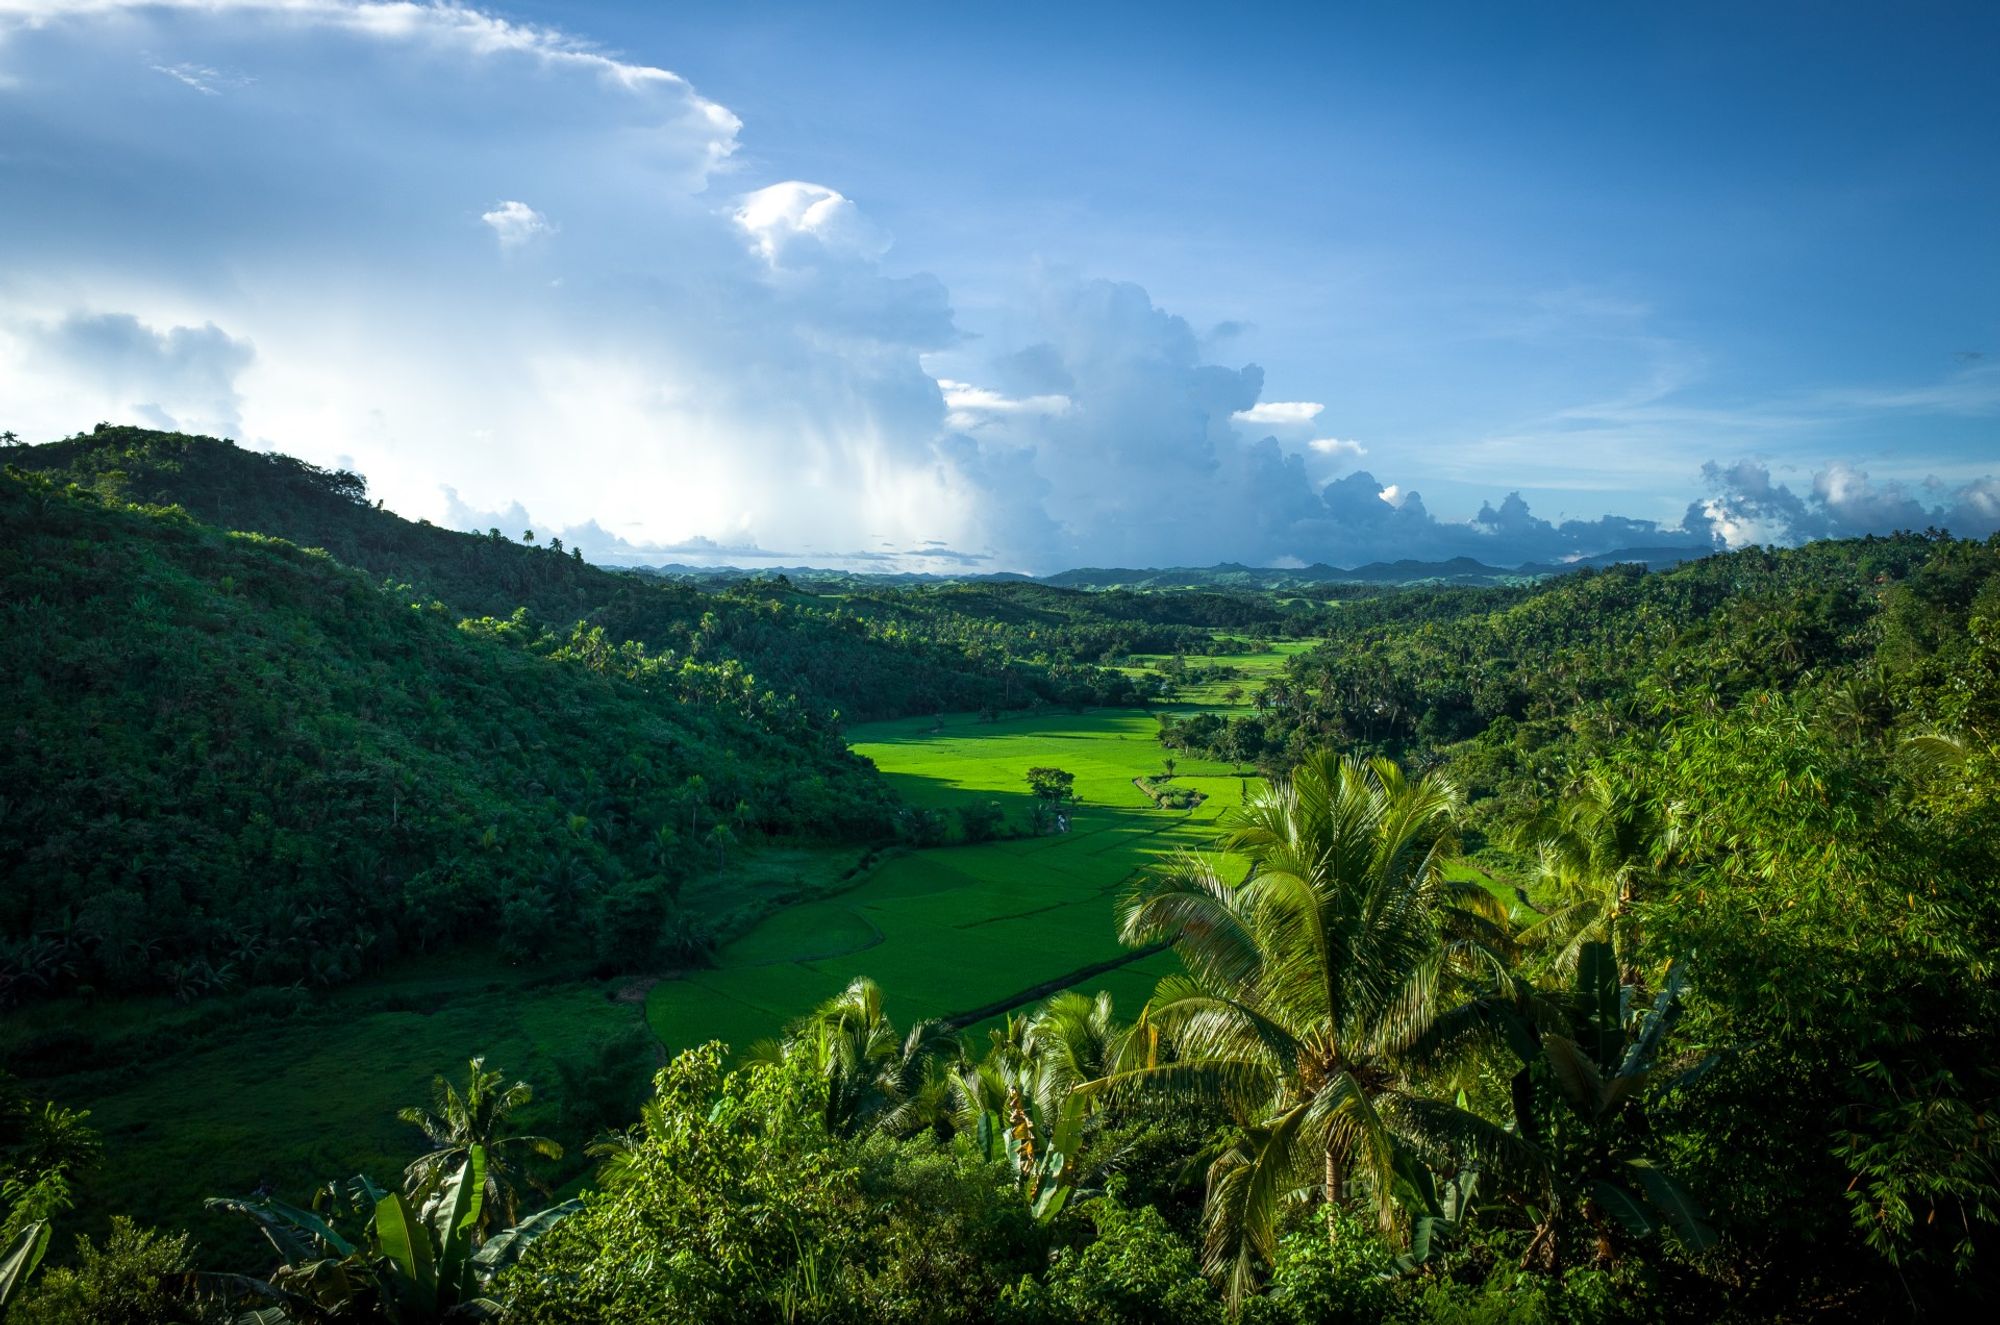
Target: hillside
{"x":1585,"y":657}
{"x":793,"y":641}
{"x":231,"y":760}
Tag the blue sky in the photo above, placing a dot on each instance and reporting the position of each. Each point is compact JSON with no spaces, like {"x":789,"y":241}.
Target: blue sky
{"x":1030,"y":287}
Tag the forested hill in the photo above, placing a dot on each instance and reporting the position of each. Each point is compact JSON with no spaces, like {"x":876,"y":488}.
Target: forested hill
{"x":861,"y":664}
{"x":1587,"y":659}
{"x":229,"y":760}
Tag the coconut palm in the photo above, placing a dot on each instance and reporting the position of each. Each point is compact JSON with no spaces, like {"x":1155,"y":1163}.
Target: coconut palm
{"x":1594,"y":853}
{"x":875,"y":1077}
{"x":1073,"y":1039}
{"x":479,"y":1117}
{"x":1305,"y":986}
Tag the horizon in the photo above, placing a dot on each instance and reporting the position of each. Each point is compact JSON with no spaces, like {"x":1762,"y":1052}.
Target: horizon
{"x":948,"y":295}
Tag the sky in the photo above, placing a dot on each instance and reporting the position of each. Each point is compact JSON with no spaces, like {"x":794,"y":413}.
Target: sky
{"x":961,"y":288}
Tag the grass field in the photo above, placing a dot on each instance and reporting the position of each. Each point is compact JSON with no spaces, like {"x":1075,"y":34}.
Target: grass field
{"x":223,"y":1097}
{"x":229,"y":1096}
{"x":951,"y":930}
{"x":1256,"y":668}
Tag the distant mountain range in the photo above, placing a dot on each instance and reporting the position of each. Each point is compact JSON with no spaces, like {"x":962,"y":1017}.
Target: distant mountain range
{"x":1227,"y":575}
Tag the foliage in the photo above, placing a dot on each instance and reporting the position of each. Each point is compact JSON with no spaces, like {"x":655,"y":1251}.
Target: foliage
{"x":233,"y":762}
{"x":138,"y":1276}
{"x":730,"y":1204}
{"x":42,"y":1153}
{"x":408,"y":1265}
{"x":1703,"y":1031}
{"x":459,"y":1123}
{"x":1306,"y":987}
{"x":1133,"y":1270}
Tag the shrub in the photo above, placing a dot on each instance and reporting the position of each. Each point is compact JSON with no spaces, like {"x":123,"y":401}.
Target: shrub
{"x":136,"y":1278}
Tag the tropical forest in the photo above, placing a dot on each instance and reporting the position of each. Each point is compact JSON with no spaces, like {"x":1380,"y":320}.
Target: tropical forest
{"x":406,"y":924}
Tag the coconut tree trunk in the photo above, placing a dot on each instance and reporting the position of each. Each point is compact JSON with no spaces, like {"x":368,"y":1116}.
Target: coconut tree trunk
{"x":1336,"y":1194}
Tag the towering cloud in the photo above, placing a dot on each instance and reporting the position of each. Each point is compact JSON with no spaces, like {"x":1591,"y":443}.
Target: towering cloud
{"x":446,"y":248}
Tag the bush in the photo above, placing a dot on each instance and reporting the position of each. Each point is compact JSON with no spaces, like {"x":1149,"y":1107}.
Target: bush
{"x":954,"y":1233}
{"x":1322,"y":1281}
{"x":981,"y":822}
{"x":1136,"y":1271}
{"x":136,"y":1278}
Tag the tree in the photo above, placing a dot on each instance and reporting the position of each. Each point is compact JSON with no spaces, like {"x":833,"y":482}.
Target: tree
{"x":527,"y":535}
{"x":1053,"y":790}
{"x":874,"y":1078}
{"x":457,"y":1124}
{"x":980,"y":822}
{"x":1593,"y":853}
{"x":405,"y":1267}
{"x":1051,"y":784}
{"x":721,"y":837}
{"x":10,"y":438}
{"x":134,"y":1277}
{"x":42,"y":1151}
{"x":1306,"y":984}
{"x":555,"y":545}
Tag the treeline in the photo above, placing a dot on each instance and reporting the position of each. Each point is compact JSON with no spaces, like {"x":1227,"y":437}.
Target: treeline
{"x":1728,"y":1060}
{"x":230,"y":761}
{"x":1517,"y":689}
{"x":1055,"y":627}
{"x":859,"y":657}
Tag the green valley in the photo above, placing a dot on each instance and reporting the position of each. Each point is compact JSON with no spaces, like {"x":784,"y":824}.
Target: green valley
{"x":1614,"y":945}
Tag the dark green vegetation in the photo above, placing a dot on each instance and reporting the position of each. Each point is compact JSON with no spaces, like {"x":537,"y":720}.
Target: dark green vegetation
{"x":235,"y":762}
{"x":1710,"y":1038}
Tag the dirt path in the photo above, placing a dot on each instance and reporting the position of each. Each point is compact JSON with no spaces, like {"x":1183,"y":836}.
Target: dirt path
{"x":1041,"y":991}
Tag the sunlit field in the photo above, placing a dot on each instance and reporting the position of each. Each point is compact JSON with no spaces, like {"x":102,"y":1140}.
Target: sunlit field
{"x":960,"y":930}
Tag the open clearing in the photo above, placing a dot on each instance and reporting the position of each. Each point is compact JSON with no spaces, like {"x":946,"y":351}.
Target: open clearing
{"x":951,"y":930}
{"x":215,"y":1099}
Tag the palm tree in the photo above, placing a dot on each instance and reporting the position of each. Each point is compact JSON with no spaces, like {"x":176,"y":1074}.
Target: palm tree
{"x":455,"y":1123}
{"x":1597,"y":850}
{"x":1073,"y":1039}
{"x":876,"y":1079}
{"x":1305,"y":986}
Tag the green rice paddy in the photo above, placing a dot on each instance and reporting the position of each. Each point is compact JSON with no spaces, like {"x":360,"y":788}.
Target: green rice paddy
{"x":949,"y":931}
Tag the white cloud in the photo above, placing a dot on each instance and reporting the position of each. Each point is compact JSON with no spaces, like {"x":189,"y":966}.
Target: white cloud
{"x":1336,"y":448}
{"x":121,"y":368}
{"x":975,"y":406}
{"x":707,"y":371}
{"x":1747,"y":505}
{"x":516,"y":223}
{"x":779,"y":218}
{"x":1281,"y":412}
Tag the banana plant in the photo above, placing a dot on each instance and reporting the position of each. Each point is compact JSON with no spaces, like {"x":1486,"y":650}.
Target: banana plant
{"x":411,"y":1265}
{"x":1602,"y":1074}
{"x":1588,"y":1064}
{"x":1042,"y":1155}
{"x":18,"y":1259}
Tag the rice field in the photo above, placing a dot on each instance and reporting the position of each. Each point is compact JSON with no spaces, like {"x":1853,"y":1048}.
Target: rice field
{"x":949,"y":931}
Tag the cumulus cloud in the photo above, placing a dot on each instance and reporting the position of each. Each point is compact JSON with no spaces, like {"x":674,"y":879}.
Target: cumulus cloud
{"x":795,"y":222}
{"x":1281,"y":412}
{"x":168,"y":377}
{"x":516,"y":223}
{"x":708,"y":366}
{"x":1747,"y":505}
{"x":729,"y":363}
